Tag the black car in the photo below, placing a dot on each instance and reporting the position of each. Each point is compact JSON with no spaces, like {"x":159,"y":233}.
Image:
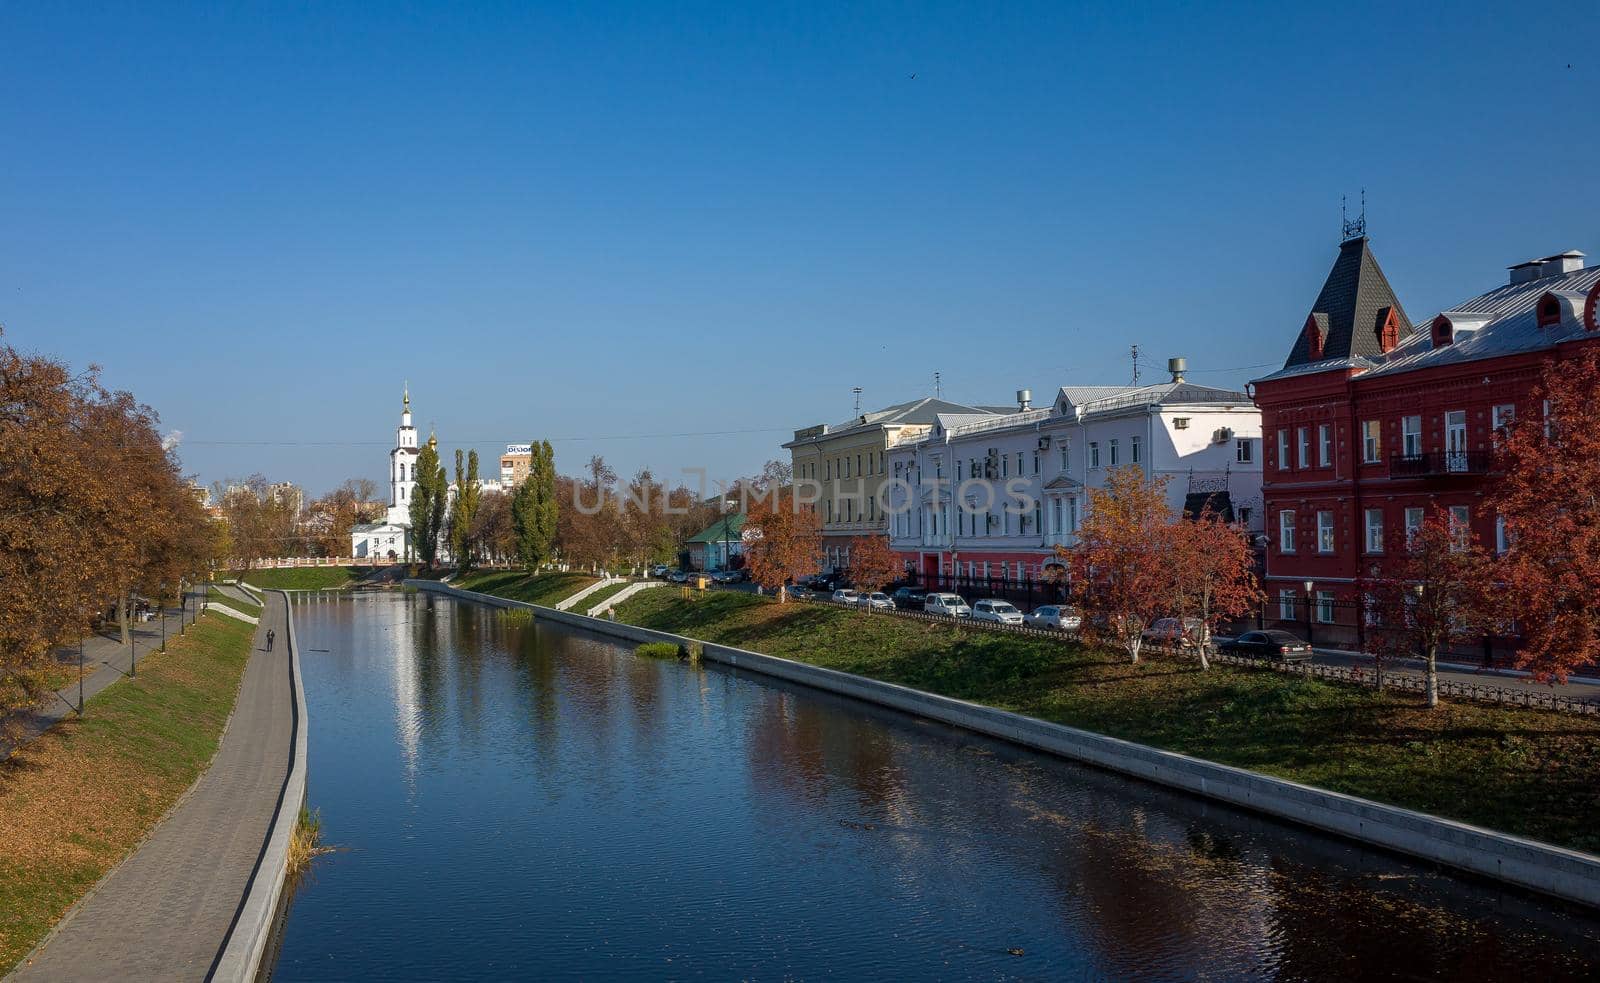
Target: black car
{"x":1279,"y":646}
{"x":909,"y":598}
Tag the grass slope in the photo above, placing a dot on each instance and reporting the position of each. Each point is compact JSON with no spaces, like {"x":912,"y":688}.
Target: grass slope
{"x":1525,"y":772}
{"x":76,"y":800}
{"x":601,"y":595}
{"x":303,"y":578}
{"x":216,"y":594}
{"x":541,"y":588}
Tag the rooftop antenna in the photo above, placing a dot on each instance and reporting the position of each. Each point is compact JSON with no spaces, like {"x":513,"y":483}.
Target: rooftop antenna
{"x":1356,"y":229}
{"x":857,"y":391}
{"x":938,"y":388}
{"x":1135,"y":352}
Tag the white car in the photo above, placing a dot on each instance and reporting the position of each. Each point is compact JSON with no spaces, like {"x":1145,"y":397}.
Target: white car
{"x":999,"y":612}
{"x":843,"y":596}
{"x":1053,"y":616}
{"x":876,"y":601}
{"x":949,"y":605}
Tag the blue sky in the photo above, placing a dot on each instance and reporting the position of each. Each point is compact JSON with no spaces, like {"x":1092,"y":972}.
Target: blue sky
{"x":590,"y":222}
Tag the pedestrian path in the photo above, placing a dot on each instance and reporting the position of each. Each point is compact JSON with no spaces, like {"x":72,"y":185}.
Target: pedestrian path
{"x":166,"y":911}
{"x":106,"y":660}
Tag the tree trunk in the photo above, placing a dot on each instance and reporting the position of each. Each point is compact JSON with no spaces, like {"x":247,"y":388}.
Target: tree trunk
{"x":1205,"y":643}
{"x":122,"y":619}
{"x":1133,"y":648}
{"x":1433,"y":676}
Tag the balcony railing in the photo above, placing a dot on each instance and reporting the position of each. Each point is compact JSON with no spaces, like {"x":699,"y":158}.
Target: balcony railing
{"x":1434,"y":464}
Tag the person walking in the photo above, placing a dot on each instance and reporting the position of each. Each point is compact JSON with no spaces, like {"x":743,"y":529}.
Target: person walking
{"x":270,"y":635}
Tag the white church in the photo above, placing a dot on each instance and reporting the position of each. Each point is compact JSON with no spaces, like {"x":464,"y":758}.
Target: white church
{"x":387,"y":539}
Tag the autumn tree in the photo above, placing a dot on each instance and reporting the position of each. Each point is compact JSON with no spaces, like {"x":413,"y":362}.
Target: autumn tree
{"x":428,"y":500}
{"x":1213,"y":573}
{"x":592,"y":530}
{"x":1122,"y":577}
{"x":873,"y":565}
{"x":535,"y":509}
{"x":1428,"y":596}
{"x":493,"y":532}
{"x":1550,"y":575}
{"x":782,"y":542}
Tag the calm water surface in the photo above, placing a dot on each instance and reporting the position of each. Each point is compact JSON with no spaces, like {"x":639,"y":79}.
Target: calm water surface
{"x":521,"y":801}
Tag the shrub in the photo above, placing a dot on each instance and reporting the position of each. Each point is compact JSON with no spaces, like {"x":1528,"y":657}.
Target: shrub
{"x":659,"y":650}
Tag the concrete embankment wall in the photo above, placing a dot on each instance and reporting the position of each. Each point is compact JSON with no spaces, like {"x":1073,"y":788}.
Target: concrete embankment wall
{"x":252,"y":929}
{"x":1528,"y":864}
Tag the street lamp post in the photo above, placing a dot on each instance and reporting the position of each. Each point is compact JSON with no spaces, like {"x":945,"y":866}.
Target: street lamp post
{"x":80,"y":674}
{"x":1308,"y":586}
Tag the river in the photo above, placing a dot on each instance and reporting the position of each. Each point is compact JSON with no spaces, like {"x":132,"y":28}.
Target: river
{"x":521,"y":800}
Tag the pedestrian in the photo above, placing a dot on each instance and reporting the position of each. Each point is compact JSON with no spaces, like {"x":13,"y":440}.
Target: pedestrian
{"x":269,"y":639}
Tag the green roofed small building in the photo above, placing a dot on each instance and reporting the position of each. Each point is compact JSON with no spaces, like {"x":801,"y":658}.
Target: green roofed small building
{"x":715,"y":547}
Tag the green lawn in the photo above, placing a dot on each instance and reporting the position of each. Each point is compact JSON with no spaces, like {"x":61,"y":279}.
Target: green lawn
{"x":1532,"y":773}
{"x":303,"y":578}
{"x":542,"y":588}
{"x":75,"y":801}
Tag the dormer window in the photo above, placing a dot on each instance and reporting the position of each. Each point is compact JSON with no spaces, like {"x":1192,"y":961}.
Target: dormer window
{"x":1314,"y":339}
{"x":1388,"y":330}
{"x":1443,"y":333}
{"x":1549,"y":313}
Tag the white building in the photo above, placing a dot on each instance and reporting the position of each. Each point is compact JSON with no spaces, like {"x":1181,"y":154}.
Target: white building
{"x":387,"y":539}
{"x":1023,"y":477}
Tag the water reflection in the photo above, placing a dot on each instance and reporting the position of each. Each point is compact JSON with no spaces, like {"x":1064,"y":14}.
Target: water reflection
{"x":524,"y":799}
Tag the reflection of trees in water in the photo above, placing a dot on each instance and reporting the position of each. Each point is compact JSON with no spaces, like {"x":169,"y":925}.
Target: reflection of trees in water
{"x":806,"y":749}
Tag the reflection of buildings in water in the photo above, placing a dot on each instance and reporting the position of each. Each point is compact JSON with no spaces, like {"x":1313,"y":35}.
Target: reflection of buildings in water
{"x":400,"y":641}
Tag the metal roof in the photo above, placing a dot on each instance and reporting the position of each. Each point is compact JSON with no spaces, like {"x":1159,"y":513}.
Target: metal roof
{"x":1355,"y":301}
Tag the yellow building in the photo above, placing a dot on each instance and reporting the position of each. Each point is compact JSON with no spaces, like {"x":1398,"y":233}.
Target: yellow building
{"x":842,"y":468}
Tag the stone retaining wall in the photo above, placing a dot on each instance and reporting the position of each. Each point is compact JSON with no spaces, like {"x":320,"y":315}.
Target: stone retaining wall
{"x":1526,"y":863}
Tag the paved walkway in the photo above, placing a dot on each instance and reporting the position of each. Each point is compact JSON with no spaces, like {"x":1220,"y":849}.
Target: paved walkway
{"x":165,"y":913}
{"x":105,"y":660}
{"x":1581,"y":689}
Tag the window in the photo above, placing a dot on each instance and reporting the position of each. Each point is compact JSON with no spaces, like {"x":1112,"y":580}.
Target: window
{"x":1005,"y":467}
{"x":1242,"y":450}
{"x":1066,"y":449}
{"x":1286,"y":531}
{"x":1460,"y":526}
{"x":1413,"y":522}
{"x":1324,"y":445}
{"x":827,"y":470}
{"x":1286,"y":605}
{"x":1325,"y":607}
{"x":1501,"y":543}
{"x":1035,"y":463}
{"x":1113,"y":450}
{"x":1244,"y":516}
{"x":1283,"y":449}
{"x":1371,"y":441}
{"x":1133,"y":449}
{"x":1303,"y":438}
{"x":1180,"y":423}
{"x":1411,"y":436}
{"x":1500,"y":419}
{"x":1374,"y":530}
{"x":1324,"y":532}
{"x":1094,"y":454}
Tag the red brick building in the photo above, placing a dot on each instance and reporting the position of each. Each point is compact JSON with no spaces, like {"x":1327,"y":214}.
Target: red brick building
{"x":1372,"y":420}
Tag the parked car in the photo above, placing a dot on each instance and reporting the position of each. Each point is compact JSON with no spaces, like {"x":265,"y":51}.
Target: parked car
{"x":843,"y":596}
{"x":660,"y":570}
{"x":997,"y":611}
{"x":679,"y":576}
{"x":798,"y":593}
{"x":950,"y":605}
{"x":1054,"y":616}
{"x":1279,"y":646}
{"x":876,"y":601}
{"x":1184,"y":633}
{"x":909,"y":598}
{"x":728,"y":576}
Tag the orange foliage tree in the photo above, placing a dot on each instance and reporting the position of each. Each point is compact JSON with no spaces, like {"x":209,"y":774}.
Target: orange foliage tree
{"x":1550,"y":575}
{"x":1122,"y":574}
{"x":782,"y":542}
{"x":1213,"y":573}
{"x":1430,"y":595}
{"x":873,"y":564}
{"x":92,"y":508}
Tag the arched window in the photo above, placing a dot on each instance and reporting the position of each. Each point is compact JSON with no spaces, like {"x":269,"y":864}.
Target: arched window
{"x":1443,"y":331}
{"x":1549,"y":313}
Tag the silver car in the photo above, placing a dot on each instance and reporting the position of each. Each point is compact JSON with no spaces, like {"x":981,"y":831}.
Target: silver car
{"x":876,"y":601}
{"x":996,"y":611}
{"x":1054,"y":616}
